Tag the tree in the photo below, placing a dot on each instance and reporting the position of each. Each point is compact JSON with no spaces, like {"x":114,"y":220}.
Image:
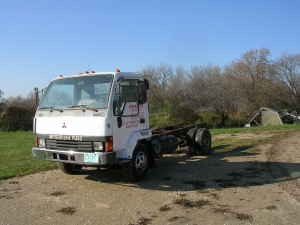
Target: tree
{"x":212,"y":90}
{"x":288,"y":68}
{"x":159,"y":80}
{"x":2,"y":104}
{"x":1,"y":94}
{"x":255,"y":76}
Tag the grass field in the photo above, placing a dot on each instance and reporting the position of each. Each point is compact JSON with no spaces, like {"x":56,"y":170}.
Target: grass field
{"x":289,"y":127}
{"x":15,"y":155}
{"x":16,"y":158}
{"x":236,"y":141}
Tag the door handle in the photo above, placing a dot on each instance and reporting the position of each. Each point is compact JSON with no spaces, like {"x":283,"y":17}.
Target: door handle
{"x":142,"y":120}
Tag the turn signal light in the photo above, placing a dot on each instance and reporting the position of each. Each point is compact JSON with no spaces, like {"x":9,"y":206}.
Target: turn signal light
{"x":40,"y":142}
{"x":109,"y":144}
{"x":36,"y":142}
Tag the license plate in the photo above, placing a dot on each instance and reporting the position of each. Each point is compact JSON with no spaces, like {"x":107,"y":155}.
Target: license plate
{"x":91,"y":158}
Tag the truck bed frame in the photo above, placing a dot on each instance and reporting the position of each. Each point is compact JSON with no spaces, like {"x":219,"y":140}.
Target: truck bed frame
{"x":179,"y":130}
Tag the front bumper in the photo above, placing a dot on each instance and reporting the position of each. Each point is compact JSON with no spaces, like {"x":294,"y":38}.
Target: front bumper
{"x":99,"y":158}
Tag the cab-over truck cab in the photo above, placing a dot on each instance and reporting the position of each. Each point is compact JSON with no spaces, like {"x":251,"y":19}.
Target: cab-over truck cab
{"x":92,"y":119}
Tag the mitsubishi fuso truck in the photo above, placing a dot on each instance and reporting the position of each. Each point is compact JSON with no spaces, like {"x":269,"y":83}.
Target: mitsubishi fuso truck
{"x":99,"y":120}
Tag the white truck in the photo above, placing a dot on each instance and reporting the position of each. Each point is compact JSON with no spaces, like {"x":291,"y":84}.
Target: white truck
{"x":102,"y":120}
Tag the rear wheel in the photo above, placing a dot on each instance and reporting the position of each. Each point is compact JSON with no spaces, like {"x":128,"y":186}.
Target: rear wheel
{"x":139,"y":164}
{"x":190,"y":138}
{"x":203,"y":141}
{"x":69,"y":168}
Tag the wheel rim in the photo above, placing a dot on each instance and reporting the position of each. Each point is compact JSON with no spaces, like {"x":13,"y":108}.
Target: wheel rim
{"x":141,"y":161}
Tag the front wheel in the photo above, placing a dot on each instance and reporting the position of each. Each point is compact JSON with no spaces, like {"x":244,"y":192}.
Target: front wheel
{"x":139,"y":164}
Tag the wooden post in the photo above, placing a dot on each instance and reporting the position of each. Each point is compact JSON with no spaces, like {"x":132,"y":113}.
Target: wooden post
{"x":36,"y":97}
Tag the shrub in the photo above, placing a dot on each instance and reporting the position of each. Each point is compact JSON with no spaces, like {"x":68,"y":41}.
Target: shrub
{"x":16,"y":118}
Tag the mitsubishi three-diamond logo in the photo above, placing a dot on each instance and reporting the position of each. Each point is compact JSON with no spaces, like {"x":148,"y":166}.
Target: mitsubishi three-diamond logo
{"x":64,"y":125}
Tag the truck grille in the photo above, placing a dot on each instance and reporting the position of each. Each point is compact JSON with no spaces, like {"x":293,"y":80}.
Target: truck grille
{"x":79,"y":146}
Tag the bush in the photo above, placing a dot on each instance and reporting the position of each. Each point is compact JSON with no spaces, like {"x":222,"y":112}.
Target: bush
{"x":210,"y":119}
{"x":214,"y":120}
{"x":16,"y":118}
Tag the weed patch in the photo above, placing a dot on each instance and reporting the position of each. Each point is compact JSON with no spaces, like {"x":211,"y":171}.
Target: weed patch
{"x":271,"y":207}
{"x":142,"y":221}
{"x":67,"y":210}
{"x":243,"y":216}
{"x":164,"y":208}
{"x":57,"y":193}
{"x":175,"y":218}
{"x":186,"y":203}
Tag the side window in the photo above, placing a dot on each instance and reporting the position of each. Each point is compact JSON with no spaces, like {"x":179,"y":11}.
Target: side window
{"x":129,"y":91}
{"x":126,"y":98}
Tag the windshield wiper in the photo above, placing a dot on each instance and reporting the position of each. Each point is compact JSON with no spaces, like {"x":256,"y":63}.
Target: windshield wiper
{"x":52,"y":109}
{"x":83,"y":107}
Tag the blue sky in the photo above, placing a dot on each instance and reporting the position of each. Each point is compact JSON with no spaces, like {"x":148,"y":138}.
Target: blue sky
{"x":41,"y":39}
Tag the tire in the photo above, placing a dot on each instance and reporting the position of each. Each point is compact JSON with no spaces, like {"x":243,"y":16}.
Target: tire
{"x":190,"y":139}
{"x":203,"y":141}
{"x":191,"y":136}
{"x":69,"y":168}
{"x":139,"y":164}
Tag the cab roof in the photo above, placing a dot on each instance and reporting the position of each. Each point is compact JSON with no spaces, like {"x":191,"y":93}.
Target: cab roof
{"x":117,"y":75}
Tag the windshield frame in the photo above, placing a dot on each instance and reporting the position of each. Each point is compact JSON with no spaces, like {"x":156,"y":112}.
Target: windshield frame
{"x":73,"y":107}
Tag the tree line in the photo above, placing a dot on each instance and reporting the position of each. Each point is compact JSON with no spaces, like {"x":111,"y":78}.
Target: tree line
{"x":208,"y":94}
{"x":223,"y":97}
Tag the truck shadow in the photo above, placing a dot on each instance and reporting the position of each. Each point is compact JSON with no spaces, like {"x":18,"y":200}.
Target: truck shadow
{"x":181,"y":172}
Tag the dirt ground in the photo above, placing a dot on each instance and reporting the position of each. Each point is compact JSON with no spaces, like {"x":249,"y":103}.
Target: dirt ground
{"x":246,"y":185}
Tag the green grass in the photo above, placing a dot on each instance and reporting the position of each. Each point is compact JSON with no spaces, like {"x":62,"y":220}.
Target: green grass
{"x":289,"y":127}
{"x":15,"y":155}
{"x":236,"y":143}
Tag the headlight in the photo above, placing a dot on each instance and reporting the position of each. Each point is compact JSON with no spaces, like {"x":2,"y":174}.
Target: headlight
{"x":42,"y":143}
{"x":98,"y":146}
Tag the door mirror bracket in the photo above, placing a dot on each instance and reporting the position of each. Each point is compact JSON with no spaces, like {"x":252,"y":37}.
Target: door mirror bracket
{"x":119,"y":121}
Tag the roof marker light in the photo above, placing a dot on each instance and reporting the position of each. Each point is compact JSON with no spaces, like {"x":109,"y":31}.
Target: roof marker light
{"x":118,"y":70}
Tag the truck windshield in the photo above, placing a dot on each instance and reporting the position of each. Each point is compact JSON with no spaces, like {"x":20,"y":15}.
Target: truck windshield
{"x":89,"y":91}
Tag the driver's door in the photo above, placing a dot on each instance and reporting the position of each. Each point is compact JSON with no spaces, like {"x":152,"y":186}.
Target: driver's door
{"x":126,"y":113}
